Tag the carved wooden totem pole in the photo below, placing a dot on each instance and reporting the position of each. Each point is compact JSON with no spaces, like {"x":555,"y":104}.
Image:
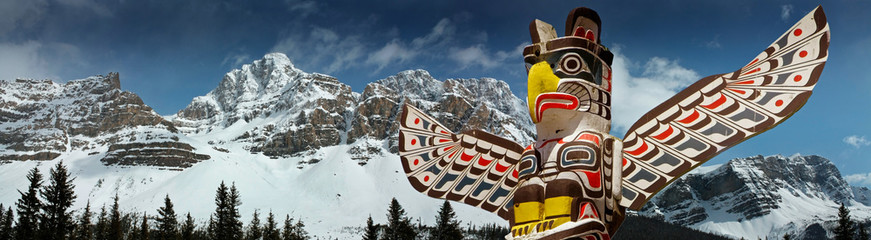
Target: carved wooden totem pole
{"x":576,"y":180}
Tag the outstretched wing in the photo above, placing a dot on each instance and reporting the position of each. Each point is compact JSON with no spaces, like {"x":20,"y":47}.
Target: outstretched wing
{"x":475,"y":167}
{"x":720,"y":111}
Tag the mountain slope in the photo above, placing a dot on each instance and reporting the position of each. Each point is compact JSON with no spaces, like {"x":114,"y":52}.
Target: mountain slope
{"x":758,"y":197}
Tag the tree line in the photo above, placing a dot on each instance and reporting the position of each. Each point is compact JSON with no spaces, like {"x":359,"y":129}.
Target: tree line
{"x":44,"y":212}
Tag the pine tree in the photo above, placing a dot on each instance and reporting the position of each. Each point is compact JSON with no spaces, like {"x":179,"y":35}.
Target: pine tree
{"x":9,"y":219}
{"x":287,"y":231}
{"x":254,"y":231}
{"x":167,"y":221}
{"x":845,"y":228}
{"x":862,"y":232}
{"x":447,"y":226}
{"x":115,"y":230}
{"x":371,"y":230}
{"x":227,"y":219}
{"x":83,"y":229}
{"x":5,"y":224}
{"x":188,"y":227}
{"x":398,"y":225}
{"x":787,"y":236}
{"x":270,"y":229}
{"x":29,"y":207}
{"x":299,"y":232}
{"x":57,"y":218}
{"x":143,"y":229}
{"x":101,"y":230}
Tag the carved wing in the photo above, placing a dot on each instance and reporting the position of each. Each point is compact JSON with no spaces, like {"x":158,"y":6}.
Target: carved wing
{"x":720,"y":111}
{"x":475,"y":167}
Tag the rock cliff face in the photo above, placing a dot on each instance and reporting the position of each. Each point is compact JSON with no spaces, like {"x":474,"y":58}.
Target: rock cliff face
{"x":284,"y":111}
{"x":40,"y":119}
{"x":757,"y":189}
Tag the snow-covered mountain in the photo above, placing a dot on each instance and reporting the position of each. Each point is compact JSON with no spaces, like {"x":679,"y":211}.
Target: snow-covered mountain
{"x":760,"y":197}
{"x":305,"y":144}
{"x":41,"y":120}
{"x":293,"y":142}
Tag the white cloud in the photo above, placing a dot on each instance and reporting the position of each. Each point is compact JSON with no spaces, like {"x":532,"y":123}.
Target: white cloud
{"x":25,"y":61}
{"x":393,"y":52}
{"x":20,"y":14}
{"x":441,"y":33}
{"x":785,"y":12}
{"x":479,"y":55}
{"x":303,"y":8}
{"x":236,"y":60}
{"x":634,"y":96}
{"x":861,"y":179}
{"x":857,"y":141}
{"x":322,"y":47}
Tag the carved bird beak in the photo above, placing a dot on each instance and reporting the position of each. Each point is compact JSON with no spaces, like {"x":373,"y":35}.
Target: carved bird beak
{"x":539,"y":80}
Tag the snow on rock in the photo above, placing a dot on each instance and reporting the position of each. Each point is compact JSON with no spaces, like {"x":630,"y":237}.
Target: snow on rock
{"x":758,"y":197}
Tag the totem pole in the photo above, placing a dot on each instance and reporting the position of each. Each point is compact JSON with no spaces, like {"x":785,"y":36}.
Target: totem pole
{"x":576,"y":180}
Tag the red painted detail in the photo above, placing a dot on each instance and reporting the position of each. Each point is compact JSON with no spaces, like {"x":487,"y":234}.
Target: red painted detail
{"x":752,"y":71}
{"x":515,"y":173}
{"x":588,"y":211}
{"x":445,"y":132}
{"x":607,"y":77}
{"x":717,"y":103}
{"x":528,"y":148}
{"x":579,"y":31}
{"x":691,"y":118}
{"x":803,"y":53}
{"x":416,"y":161}
{"x":778,"y":103}
{"x":447,"y":148}
{"x":797,"y":32}
{"x":745,"y":82}
{"x":413,"y":141}
{"x":665,"y":134}
{"x":638,"y":151}
{"x":443,"y":140}
{"x":546,"y":142}
{"x":561,"y":141}
{"x":589,"y":137}
{"x":590,"y":36}
{"x":417,"y":121}
{"x":500,"y":168}
{"x":737,"y":91}
{"x":466,"y":157}
{"x":751,"y":63}
{"x":541,"y":107}
{"x":484,"y":162}
{"x":797,"y":78}
{"x":594,"y":179}
{"x":624,"y":161}
{"x":426,"y":178}
{"x":452,"y":155}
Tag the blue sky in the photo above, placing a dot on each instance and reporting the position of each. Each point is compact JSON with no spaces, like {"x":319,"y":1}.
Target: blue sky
{"x":171,"y":51}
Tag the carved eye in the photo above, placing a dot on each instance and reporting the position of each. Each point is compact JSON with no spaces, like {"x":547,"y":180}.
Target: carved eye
{"x":571,"y":63}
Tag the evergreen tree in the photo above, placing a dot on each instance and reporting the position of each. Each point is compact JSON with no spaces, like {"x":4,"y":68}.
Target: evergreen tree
{"x":167,"y":221}
{"x":270,"y":229}
{"x":254,"y":231}
{"x":101,"y":230}
{"x":845,"y":228}
{"x":371,"y":230}
{"x":188,"y":227}
{"x":228,"y":224}
{"x":83,"y":231}
{"x":115,"y":229}
{"x":447,"y":226}
{"x":29,"y":207}
{"x":299,"y":232}
{"x":398,"y":225}
{"x":3,"y":231}
{"x":143,"y":229}
{"x":862,"y":232}
{"x":287,"y":231}
{"x":787,"y":236}
{"x":57,"y":218}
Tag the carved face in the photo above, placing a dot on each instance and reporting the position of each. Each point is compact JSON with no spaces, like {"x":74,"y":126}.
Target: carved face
{"x":570,"y":73}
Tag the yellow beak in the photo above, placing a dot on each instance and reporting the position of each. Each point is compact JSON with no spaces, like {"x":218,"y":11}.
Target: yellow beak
{"x":539,"y":80}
